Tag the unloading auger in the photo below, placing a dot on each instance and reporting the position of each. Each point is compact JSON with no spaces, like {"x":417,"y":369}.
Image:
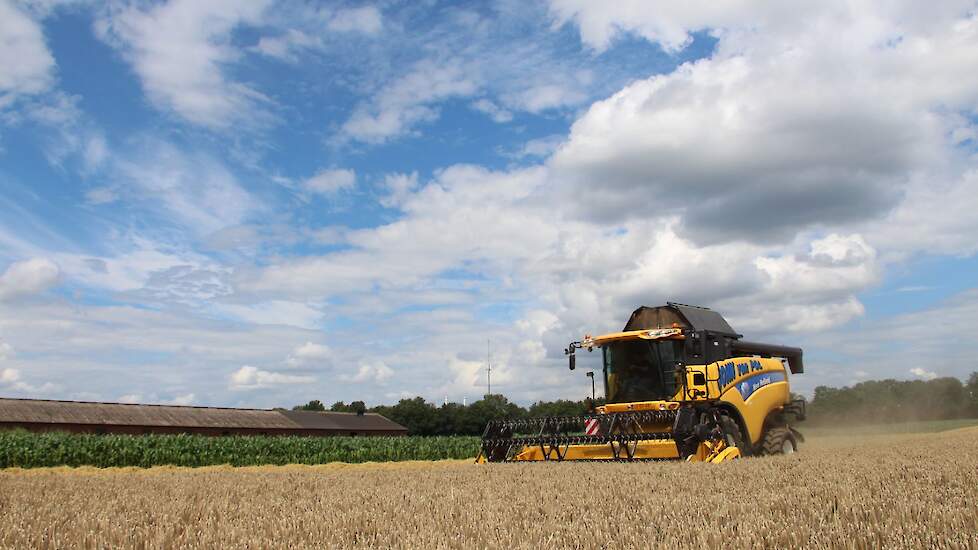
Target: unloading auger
{"x":679,"y":384}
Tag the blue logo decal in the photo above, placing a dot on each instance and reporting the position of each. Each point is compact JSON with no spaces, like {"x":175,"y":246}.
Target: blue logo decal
{"x":758,"y":381}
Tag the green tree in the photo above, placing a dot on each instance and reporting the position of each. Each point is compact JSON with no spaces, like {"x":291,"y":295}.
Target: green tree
{"x":561,"y":407}
{"x":314,"y":405}
{"x":417,"y":415}
{"x":881,"y":401}
{"x":972,"y":387}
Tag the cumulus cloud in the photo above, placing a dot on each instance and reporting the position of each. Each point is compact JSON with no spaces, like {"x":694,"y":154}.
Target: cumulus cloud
{"x":780,"y":120}
{"x":253,"y":378}
{"x":181,"y":51}
{"x":10,"y":380}
{"x":9,"y":376}
{"x":309,"y":353}
{"x":372,"y":371}
{"x":28,"y":277}
{"x":185,"y":399}
{"x":921,"y":373}
{"x":330,"y":181}
{"x":713,"y":144}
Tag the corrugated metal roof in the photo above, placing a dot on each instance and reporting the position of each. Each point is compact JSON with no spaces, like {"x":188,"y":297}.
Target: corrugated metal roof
{"x":121,"y":414}
{"x":311,"y":420}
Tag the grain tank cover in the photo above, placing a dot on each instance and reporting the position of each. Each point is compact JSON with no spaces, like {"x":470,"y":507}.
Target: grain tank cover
{"x":688,"y":317}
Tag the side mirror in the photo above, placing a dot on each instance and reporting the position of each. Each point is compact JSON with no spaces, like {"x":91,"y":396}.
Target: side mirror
{"x":694,"y":346}
{"x":569,"y":352}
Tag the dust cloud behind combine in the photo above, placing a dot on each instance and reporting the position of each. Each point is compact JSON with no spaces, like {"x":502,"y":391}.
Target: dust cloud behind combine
{"x":905,"y":490}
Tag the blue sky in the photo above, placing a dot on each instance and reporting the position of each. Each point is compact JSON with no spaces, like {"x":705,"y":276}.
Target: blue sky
{"x":258,"y":204}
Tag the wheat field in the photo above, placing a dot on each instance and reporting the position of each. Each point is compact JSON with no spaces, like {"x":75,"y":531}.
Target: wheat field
{"x":895,"y":491}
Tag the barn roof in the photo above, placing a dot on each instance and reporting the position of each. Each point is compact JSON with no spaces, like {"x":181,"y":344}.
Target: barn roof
{"x":42,"y":411}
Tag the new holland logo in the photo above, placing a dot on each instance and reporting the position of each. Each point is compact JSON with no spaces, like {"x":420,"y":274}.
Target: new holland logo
{"x":756,"y":382}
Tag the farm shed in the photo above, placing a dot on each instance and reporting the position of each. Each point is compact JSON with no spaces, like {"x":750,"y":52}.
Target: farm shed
{"x":85,"y":417}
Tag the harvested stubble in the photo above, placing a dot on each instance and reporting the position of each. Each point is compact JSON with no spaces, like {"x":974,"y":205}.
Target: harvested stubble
{"x":908,"y":491}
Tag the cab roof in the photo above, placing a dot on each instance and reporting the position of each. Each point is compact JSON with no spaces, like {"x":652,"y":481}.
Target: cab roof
{"x":686,"y":316}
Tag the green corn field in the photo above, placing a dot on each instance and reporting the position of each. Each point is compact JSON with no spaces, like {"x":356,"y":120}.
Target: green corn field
{"x":32,"y":450}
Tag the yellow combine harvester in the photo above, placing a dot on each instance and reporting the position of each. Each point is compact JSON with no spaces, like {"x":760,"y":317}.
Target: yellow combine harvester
{"x":679,"y":384}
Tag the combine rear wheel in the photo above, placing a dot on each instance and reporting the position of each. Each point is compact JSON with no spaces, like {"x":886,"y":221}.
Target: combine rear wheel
{"x":779,"y":441}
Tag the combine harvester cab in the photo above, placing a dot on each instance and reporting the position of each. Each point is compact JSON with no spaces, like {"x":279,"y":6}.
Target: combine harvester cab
{"x":680,"y":383}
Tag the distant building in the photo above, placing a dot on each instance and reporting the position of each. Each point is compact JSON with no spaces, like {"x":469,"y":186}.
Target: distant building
{"x":83,"y":417}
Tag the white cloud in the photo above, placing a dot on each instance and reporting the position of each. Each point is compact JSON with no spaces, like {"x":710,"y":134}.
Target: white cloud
{"x":137,"y":398}
{"x":547,"y":95}
{"x":913,"y":225}
{"x":10,"y":380}
{"x":95,"y":153}
{"x":181,"y":50}
{"x":195,"y":190}
{"x":9,"y":376}
{"x":304,"y":33}
{"x":669,"y":25}
{"x":310,"y":354}
{"x":541,"y":147}
{"x":709,"y":139}
{"x":28,"y":277}
{"x":921,"y":373}
{"x":287,"y":46}
{"x":372,"y":371}
{"x":185,"y":399}
{"x":408,"y":101}
{"x":26,"y":65}
{"x":252,"y":378}
{"x":152,"y":271}
{"x":814,"y":132}
{"x":495,"y":112}
{"x":6,"y":350}
{"x":366,"y":19}
{"x":159,"y":352}
{"x":275,"y":312}
{"x":399,"y":187}
{"x":330,"y":181}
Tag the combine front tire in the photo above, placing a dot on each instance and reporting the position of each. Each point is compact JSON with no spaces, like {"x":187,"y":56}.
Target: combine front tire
{"x":779,"y":441}
{"x":731,"y":431}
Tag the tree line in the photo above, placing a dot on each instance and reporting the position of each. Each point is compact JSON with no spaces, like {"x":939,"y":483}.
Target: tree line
{"x":886,"y":401}
{"x":871,"y":402}
{"x":423,"y":418}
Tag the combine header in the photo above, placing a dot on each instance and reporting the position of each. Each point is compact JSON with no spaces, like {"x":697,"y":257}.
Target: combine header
{"x":679,"y":384}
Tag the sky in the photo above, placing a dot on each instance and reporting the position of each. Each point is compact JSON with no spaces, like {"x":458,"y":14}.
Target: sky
{"x":257,"y":204}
